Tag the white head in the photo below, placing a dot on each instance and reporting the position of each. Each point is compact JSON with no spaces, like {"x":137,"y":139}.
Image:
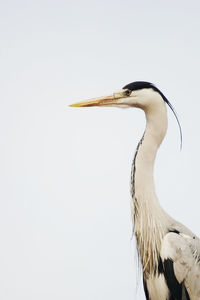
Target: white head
{"x":141,"y":94}
{"x":137,"y":94}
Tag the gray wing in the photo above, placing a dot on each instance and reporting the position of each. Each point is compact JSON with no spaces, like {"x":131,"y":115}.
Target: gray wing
{"x":180,"y":254}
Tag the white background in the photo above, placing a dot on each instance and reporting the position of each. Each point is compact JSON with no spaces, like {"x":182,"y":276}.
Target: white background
{"x":65,"y":226}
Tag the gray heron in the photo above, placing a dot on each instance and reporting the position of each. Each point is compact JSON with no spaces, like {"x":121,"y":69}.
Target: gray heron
{"x":169,"y":252}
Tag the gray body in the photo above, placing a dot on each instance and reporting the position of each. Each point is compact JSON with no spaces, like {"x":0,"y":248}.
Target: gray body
{"x":169,"y":252}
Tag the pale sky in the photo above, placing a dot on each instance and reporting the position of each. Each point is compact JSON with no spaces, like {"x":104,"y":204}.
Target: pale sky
{"x":65,"y":204}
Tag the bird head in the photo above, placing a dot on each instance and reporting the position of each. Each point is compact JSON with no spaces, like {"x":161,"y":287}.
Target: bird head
{"x":141,"y":94}
{"x":137,"y":94}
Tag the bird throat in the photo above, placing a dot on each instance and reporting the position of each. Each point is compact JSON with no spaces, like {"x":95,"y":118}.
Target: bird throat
{"x":147,"y":214}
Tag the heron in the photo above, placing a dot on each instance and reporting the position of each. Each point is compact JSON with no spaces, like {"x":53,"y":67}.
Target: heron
{"x":169,"y":252}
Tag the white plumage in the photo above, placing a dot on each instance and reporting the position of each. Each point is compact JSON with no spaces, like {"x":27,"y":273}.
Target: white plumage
{"x":183,"y":249}
{"x":169,"y":252}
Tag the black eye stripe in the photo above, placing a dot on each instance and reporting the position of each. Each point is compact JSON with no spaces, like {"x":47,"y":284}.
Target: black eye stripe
{"x":138,"y":85}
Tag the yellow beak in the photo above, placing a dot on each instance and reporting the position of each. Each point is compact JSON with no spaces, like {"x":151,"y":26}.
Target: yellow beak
{"x":101,"y":101}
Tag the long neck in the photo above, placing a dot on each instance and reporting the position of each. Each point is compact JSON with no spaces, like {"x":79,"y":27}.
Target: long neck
{"x":147,"y":213}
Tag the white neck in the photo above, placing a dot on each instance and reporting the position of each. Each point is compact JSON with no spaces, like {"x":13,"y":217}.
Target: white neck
{"x":146,"y":210}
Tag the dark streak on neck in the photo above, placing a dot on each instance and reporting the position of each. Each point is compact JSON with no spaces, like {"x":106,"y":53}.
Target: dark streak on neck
{"x":133,"y":171}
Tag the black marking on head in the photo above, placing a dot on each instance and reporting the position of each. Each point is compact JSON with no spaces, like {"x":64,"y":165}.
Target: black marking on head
{"x":174,"y":231}
{"x":177,"y":290}
{"x":138,"y":85}
{"x":145,"y":289}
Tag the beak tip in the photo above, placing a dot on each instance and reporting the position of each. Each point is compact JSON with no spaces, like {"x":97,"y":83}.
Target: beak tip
{"x":101,"y":101}
{"x":79,"y":104}
{"x":73,"y":105}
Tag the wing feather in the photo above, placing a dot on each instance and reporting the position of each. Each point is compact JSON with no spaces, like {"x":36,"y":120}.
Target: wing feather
{"x":180,"y":256}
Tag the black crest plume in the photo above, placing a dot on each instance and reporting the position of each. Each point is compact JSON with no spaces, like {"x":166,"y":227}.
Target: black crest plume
{"x":138,"y":85}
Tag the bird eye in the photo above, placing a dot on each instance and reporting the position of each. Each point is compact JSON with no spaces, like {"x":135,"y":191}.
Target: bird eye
{"x":127,"y":93}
